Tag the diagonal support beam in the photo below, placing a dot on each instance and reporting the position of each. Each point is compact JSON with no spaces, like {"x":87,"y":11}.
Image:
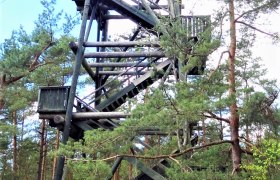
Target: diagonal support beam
{"x":131,"y":12}
{"x":148,"y":171}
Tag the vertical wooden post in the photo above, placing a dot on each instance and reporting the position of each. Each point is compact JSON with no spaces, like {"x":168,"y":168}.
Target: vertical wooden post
{"x":76,"y":73}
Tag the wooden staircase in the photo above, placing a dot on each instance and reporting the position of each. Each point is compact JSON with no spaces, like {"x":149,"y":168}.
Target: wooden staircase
{"x":99,"y":11}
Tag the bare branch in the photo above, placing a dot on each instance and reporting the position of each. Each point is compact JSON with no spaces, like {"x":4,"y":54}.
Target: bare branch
{"x":38,"y":54}
{"x":171,"y":102}
{"x":176,"y":161}
{"x":156,"y":157}
{"x":251,"y":11}
{"x":214,"y":116}
{"x":245,"y":151}
{"x":261,"y":31}
{"x":218,"y":65}
{"x":14,"y":79}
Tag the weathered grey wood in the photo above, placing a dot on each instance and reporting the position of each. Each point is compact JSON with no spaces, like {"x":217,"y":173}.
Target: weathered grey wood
{"x":148,"y":171}
{"x":151,"y":72}
{"x":70,"y":105}
{"x":115,"y":73}
{"x":83,"y":125}
{"x":53,"y":99}
{"x":88,"y":115}
{"x":108,"y":17}
{"x":121,"y":64}
{"x":58,"y":119}
{"x":121,"y":44}
{"x":74,"y":47}
{"x":115,"y":167}
{"x":124,"y":54}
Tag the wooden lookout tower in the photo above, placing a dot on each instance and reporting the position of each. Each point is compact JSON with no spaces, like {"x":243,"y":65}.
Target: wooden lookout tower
{"x":132,"y":62}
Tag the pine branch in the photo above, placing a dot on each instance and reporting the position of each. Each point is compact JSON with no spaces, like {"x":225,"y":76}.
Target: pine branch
{"x":34,"y":65}
{"x":14,"y":79}
{"x":214,"y":116}
{"x":261,"y":31}
{"x":170,"y":156}
{"x":38,"y":54}
{"x":171,"y":102}
{"x":252,"y":10}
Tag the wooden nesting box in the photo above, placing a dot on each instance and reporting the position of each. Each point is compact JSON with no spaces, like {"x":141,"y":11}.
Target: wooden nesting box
{"x":53,"y":100}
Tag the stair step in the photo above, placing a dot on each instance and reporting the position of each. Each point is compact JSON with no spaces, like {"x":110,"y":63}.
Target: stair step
{"x":131,"y":90}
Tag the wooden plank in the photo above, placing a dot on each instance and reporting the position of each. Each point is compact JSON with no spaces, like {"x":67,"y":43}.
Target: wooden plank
{"x":151,"y":72}
{"x":88,"y":115}
{"x":124,"y":54}
{"x":83,"y":125}
{"x":120,"y":44}
{"x":148,"y":171}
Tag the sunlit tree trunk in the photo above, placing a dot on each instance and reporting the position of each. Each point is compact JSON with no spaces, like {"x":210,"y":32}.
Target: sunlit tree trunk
{"x":56,"y":148}
{"x":234,"y":117}
{"x":45,"y":151}
{"x":221,"y":128}
{"x":130,"y":172}
{"x":2,"y":85}
{"x":15,"y":152}
{"x":117,"y":174}
{"x":41,"y":152}
{"x":204,"y":132}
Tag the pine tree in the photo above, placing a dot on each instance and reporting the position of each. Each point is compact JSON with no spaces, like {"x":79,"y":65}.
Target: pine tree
{"x":27,"y":61}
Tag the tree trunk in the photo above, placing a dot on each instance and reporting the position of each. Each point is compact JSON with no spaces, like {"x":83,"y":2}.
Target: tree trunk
{"x":41,"y":152}
{"x":4,"y":164}
{"x":221,"y":127}
{"x":130,"y":172}
{"x":247,"y":137}
{"x":45,"y":150}
{"x":15,"y":163}
{"x":234,"y":117}
{"x":2,"y":87}
{"x":117,"y":174}
{"x":56,"y":148}
{"x":204,"y":132}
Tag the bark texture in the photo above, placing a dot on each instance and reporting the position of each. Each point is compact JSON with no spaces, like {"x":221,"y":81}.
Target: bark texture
{"x":234,"y":117}
{"x":15,"y":150}
{"x":2,"y":88}
{"x":41,"y":155}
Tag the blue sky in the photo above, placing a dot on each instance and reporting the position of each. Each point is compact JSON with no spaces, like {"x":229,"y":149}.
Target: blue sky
{"x":14,"y":13}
